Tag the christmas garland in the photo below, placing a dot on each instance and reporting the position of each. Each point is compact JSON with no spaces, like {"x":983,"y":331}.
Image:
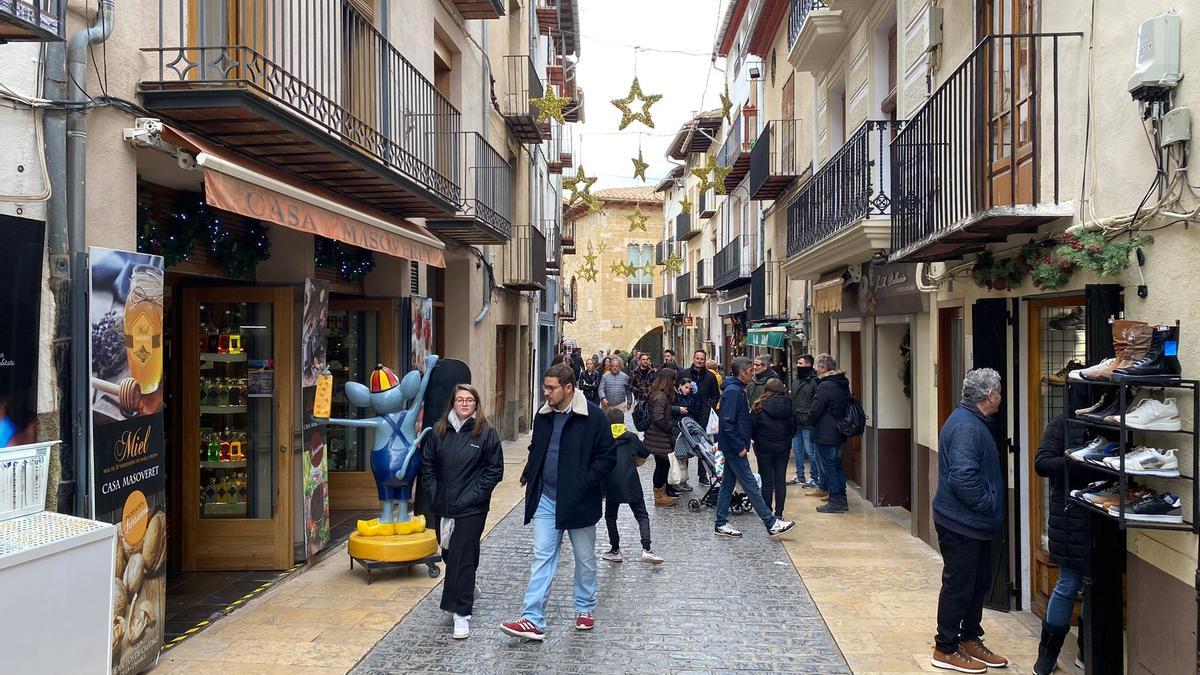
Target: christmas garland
{"x":1086,"y":250}
{"x":351,"y":262}
{"x":191,"y":219}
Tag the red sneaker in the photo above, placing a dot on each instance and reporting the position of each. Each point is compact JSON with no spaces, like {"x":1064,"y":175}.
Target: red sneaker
{"x":524,"y":628}
{"x":584,"y":621}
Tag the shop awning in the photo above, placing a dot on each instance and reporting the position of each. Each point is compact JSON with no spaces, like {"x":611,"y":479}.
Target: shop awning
{"x":827,"y":293}
{"x":246,"y":187}
{"x":735,"y":304}
{"x":774,"y":337}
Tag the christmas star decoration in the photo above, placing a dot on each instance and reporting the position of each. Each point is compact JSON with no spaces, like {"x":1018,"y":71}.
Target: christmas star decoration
{"x":685,"y":205}
{"x":726,"y":104}
{"x":647,"y":269}
{"x":621,"y":269}
{"x":589,"y":259}
{"x":635,"y":94}
{"x":637,"y":220}
{"x":588,"y":273}
{"x":602,"y":247}
{"x":594,"y":203}
{"x":573,"y":184}
{"x":673,"y":265}
{"x":550,"y":107}
{"x":640,"y":166}
{"x":711,"y":176}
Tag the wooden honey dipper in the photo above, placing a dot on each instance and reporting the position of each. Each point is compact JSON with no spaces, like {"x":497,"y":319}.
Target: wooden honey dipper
{"x":128,"y":393}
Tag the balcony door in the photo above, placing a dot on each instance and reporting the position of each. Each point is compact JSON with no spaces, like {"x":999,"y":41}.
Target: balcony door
{"x":231,"y":39}
{"x":1010,"y":101}
{"x":361,"y":58}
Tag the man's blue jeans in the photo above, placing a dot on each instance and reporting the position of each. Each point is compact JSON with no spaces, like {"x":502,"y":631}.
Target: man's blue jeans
{"x":547,"y":540}
{"x":834,"y":473}
{"x":737,"y":470}
{"x":1062,"y":599}
{"x":802,"y":446}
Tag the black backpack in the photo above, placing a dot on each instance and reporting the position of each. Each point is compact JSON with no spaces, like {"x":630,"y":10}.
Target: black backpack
{"x":854,"y":421}
{"x":641,"y":416}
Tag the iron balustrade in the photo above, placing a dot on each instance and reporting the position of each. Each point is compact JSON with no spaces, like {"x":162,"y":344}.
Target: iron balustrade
{"x":663,"y":250}
{"x":325,"y":62}
{"x":521,"y":84}
{"x":852,"y":186}
{"x":488,"y":189}
{"x":735,"y":141}
{"x":774,"y":160}
{"x":731,"y":266}
{"x":798,"y":15}
{"x":553,"y":246}
{"x":560,"y":153}
{"x":568,"y":237}
{"x":980,"y":141}
{"x":704,"y":275}
{"x":32,"y":20}
{"x":525,"y":259}
{"x":686,"y":227}
{"x":666,"y":307}
{"x":685,"y":289}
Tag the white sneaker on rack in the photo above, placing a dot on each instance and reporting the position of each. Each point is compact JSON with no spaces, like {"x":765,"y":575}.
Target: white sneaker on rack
{"x":1148,"y":462}
{"x":1093,"y":372}
{"x":1152,"y":415}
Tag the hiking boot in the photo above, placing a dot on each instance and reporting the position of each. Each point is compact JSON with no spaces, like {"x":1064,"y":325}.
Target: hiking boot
{"x":661,"y":498}
{"x":978,"y":651}
{"x":523,"y":628}
{"x":651,"y":557}
{"x":959,"y":660}
{"x":817,"y":493}
{"x":613,"y":556}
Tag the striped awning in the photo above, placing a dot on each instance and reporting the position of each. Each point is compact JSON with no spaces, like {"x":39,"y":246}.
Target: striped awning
{"x":827,"y":293}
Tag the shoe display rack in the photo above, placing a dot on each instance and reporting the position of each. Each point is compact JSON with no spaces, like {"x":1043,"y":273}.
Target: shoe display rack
{"x":1125,"y":440}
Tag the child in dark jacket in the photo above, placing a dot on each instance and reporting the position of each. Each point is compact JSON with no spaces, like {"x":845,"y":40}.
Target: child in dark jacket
{"x":773,"y":424}
{"x":623,"y":486}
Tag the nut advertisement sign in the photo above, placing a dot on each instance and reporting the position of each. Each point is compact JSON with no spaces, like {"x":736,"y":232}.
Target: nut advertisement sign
{"x":128,"y":476}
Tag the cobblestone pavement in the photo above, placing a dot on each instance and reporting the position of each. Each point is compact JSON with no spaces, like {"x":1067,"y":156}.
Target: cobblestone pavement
{"x":716,"y":605}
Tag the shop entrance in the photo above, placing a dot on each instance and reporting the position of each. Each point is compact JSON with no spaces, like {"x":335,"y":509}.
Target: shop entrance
{"x":236,"y":419}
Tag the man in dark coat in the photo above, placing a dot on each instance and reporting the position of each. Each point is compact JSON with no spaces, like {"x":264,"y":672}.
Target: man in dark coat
{"x":642,"y":377}
{"x":762,"y":373}
{"x":570,"y":456}
{"x":967,"y":510}
{"x":828,"y":408}
{"x":624,"y":486}
{"x":669,"y":360}
{"x":804,"y":388}
{"x":704,"y":384}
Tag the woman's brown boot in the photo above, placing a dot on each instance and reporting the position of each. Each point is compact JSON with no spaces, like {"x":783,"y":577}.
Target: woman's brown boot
{"x":661,"y":498}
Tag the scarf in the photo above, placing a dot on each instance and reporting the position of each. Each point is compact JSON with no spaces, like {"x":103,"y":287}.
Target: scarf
{"x":457,"y":422}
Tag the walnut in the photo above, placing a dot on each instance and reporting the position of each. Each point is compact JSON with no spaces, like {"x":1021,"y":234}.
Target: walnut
{"x":120,"y":598}
{"x":135,"y":571}
{"x":154,"y":544}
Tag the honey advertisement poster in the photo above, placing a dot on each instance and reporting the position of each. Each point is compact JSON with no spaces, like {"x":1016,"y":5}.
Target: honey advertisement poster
{"x":128,"y":475}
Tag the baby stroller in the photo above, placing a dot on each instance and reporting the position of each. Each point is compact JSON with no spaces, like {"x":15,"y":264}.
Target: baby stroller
{"x":699,"y":445}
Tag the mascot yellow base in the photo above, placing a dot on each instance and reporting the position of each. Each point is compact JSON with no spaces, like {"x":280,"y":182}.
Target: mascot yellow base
{"x":393,"y":543}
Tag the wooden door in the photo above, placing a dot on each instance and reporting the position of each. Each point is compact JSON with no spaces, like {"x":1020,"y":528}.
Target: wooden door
{"x":989,"y":319}
{"x":361,"y":58}
{"x":354,"y":487}
{"x":852,"y":461}
{"x":499,"y":400}
{"x":1011,"y":102}
{"x":237,"y":512}
{"x":950,"y":366}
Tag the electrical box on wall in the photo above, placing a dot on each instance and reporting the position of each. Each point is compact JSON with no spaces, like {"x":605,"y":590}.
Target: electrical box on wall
{"x":934,"y":18}
{"x":1156,"y":64}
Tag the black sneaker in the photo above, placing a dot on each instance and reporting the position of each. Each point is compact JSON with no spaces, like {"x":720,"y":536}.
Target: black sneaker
{"x":1164,"y":508}
{"x":705,"y":482}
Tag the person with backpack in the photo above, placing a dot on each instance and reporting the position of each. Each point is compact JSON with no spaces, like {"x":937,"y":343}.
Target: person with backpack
{"x":772,"y":426}
{"x":826,"y":414}
{"x":663,"y":430}
{"x":625,"y":487}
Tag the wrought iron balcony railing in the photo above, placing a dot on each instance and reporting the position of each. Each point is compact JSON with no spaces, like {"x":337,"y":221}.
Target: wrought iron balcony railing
{"x":32,"y":20}
{"x":735,"y":151}
{"x":663,"y":250}
{"x":560,"y":154}
{"x":553,"y":233}
{"x":524,"y":259}
{"x":798,"y":15}
{"x":568,"y":307}
{"x":666,"y":307}
{"x":522,"y":83}
{"x":487,"y":207}
{"x":704,"y":276}
{"x":686,"y":227}
{"x":265,"y":78}
{"x":708,"y":203}
{"x":732,"y":265}
{"x":568,"y":237}
{"x":685,"y":287}
{"x":774,"y":161}
{"x":985,"y":143}
{"x":852,"y":186}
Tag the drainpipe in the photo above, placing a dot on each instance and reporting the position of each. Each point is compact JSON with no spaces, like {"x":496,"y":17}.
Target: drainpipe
{"x":76,"y":209}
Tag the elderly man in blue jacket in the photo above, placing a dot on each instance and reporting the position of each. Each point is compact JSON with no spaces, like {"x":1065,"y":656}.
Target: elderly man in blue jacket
{"x":968,"y":509}
{"x":733,"y":438}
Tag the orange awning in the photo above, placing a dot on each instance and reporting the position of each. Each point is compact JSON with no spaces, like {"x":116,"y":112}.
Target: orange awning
{"x":244,"y":186}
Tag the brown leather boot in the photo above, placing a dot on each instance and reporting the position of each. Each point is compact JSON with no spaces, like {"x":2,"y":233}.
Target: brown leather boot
{"x":1131,"y":341}
{"x":661,"y":498}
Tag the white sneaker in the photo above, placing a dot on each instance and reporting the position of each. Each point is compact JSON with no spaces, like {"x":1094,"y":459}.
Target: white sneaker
{"x":462,"y":627}
{"x":780,"y":527}
{"x":649,"y":556}
{"x":1148,"y":462}
{"x":726,"y":531}
{"x":612,"y":556}
{"x":1095,"y":444}
{"x":1091,"y":372}
{"x":1152,"y":415}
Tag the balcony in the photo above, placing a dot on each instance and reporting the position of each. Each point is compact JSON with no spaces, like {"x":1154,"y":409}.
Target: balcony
{"x":521,"y":83}
{"x":731,"y":266}
{"x":485,"y":216}
{"x":764,"y":293}
{"x":524,"y":260}
{"x":568,"y":306}
{"x":31,"y":21}
{"x":735,"y":152}
{"x":663,"y":250}
{"x":553,"y":247}
{"x":841,"y":215}
{"x":704,"y":276}
{"x":480,"y":9}
{"x":560,"y":154}
{"x":574,"y":110}
{"x":319,"y":94}
{"x":816,"y":35}
{"x":774,"y":160}
{"x":666,"y":307}
{"x":708,"y":203}
{"x":568,"y":237}
{"x":973,"y":167}
{"x":686,"y":227}
{"x":685,"y":288}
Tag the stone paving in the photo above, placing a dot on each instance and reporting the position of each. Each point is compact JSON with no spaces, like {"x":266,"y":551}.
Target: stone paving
{"x":715,"y":606}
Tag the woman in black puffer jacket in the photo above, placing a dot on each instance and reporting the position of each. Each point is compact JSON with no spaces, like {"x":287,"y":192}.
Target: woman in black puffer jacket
{"x":773,"y":424}
{"x":1067,"y":529}
{"x":664,"y":429}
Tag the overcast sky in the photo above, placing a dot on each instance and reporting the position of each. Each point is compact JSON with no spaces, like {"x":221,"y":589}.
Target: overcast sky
{"x":610,"y":29}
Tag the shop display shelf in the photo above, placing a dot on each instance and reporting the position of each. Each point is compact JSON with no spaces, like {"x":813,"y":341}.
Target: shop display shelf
{"x":241,"y":464}
{"x":216,"y":357}
{"x":1126,"y":523}
{"x":1120,"y":427}
{"x":1104,"y":468}
{"x":222,"y":409}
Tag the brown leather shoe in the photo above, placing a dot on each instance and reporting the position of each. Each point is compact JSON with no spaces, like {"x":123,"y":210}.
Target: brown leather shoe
{"x":959,"y":661}
{"x":817,"y":493}
{"x":978,"y":651}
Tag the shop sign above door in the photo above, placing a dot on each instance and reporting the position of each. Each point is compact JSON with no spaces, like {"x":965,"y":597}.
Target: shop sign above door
{"x":884,"y":290}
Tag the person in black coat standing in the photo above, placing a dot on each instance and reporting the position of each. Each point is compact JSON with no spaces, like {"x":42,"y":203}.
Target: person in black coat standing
{"x":828,"y":408}
{"x":625,"y":487}
{"x":461,"y":463}
{"x":1068,"y":528}
{"x":589,"y":381}
{"x":773,"y":424}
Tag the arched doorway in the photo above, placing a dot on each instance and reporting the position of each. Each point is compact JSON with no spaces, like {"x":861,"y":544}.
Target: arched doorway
{"x":651,"y":342}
